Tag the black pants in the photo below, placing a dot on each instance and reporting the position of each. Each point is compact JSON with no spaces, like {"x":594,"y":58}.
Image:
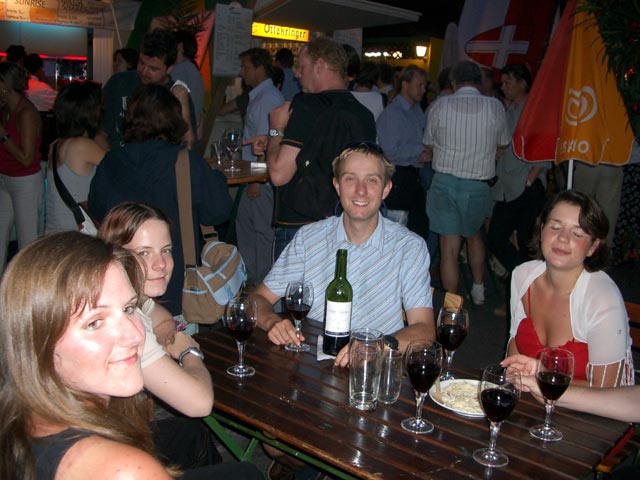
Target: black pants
{"x":520,"y":215}
{"x":407,"y":194}
{"x":188,"y":444}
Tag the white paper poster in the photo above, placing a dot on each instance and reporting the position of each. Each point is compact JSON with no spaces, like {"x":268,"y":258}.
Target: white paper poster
{"x":232,"y":36}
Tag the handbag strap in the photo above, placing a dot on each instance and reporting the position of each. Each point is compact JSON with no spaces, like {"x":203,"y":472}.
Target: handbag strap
{"x":185,"y":212}
{"x":66,"y":197}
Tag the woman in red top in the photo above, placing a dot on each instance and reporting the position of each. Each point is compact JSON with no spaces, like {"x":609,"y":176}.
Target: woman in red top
{"x":564,"y":299}
{"x":21,"y":180}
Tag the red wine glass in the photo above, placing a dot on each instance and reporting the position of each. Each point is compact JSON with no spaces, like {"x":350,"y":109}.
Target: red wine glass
{"x":298,"y":299}
{"x":241,"y":318}
{"x":499,"y":392}
{"x":452,"y":329}
{"x":423,"y":361}
{"x":553,"y":375}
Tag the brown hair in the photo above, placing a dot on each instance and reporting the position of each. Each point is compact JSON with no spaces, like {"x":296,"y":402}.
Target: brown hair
{"x":591,"y":219}
{"x":153,"y":113}
{"x":122,"y":221}
{"x":47,"y":283}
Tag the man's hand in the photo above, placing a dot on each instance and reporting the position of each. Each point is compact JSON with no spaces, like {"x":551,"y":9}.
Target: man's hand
{"x":342,"y":359}
{"x":283,"y":333}
{"x":258,"y":144}
{"x":425,"y":156}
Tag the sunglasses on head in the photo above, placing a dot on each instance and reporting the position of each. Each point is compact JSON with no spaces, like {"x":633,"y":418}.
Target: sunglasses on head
{"x":370,"y":146}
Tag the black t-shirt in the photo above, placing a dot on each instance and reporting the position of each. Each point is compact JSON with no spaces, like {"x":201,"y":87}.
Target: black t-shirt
{"x":321,"y":125}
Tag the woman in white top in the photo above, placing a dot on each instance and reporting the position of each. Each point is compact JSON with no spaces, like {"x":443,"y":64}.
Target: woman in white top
{"x":565,"y":300}
{"x":76,"y":152}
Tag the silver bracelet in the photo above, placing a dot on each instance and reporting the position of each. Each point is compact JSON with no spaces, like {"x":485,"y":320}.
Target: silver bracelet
{"x":190,"y":351}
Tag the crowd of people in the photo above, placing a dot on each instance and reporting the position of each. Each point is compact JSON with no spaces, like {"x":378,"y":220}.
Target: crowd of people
{"x":358,"y":159}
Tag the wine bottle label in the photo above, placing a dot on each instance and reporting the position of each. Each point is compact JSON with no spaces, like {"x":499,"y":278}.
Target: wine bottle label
{"x":338,"y":317}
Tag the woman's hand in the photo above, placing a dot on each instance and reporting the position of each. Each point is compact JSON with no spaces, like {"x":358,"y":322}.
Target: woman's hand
{"x":525,"y":365}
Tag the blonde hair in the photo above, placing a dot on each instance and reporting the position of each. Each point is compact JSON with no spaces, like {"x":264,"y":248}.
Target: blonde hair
{"x":365,"y":148}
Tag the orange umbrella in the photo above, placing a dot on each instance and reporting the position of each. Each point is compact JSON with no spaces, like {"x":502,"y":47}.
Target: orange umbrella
{"x":574,"y":110}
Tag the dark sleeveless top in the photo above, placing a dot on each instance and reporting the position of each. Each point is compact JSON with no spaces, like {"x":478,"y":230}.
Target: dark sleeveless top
{"x":48,"y":451}
{"x":529,"y":344}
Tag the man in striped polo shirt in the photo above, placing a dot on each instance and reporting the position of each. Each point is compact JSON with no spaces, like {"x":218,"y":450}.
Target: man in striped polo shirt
{"x":466,"y":132}
{"x":387,"y":265}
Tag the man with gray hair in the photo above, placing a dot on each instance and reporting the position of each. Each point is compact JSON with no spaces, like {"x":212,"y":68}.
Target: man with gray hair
{"x":466,"y":132}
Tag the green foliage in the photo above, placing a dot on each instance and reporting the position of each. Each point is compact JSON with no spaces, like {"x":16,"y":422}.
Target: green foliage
{"x":619,"y":23}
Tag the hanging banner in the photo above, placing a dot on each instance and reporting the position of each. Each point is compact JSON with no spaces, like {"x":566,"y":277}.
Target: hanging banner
{"x":72,"y":13}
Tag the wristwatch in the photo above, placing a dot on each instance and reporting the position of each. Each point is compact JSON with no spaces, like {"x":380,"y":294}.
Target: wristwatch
{"x":4,"y":138}
{"x":274,"y":132}
{"x":391,"y":342}
{"x":190,"y":351}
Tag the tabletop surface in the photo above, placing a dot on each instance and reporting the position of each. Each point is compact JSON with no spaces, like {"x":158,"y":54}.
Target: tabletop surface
{"x":304,"y":403}
{"x":246,"y":173}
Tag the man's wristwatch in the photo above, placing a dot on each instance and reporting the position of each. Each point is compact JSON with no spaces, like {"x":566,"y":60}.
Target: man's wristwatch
{"x":190,"y":351}
{"x":4,"y":138}
{"x":274,"y":132}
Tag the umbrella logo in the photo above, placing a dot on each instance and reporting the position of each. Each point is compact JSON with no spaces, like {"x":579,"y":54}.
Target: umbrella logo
{"x":582,"y":105}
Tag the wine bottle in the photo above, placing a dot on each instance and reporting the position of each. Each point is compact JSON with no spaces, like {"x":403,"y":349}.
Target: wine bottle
{"x":337,"y":309}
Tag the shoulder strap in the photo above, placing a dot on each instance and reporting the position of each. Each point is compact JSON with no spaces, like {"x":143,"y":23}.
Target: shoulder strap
{"x":183,"y":184}
{"x":66,"y":197}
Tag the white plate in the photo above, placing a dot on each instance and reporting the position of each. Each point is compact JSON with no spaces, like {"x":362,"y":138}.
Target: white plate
{"x":443,"y":385}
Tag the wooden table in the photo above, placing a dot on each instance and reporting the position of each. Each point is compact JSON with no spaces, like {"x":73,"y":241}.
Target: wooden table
{"x":303,"y":404}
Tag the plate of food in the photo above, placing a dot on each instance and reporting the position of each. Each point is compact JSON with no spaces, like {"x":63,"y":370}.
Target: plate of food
{"x":460,"y":396}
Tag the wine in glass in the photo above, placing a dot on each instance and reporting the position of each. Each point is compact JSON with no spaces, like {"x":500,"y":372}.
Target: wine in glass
{"x":499,"y":394}
{"x":554,"y":374}
{"x":452,"y":329}
{"x":241,"y":318}
{"x":232,"y":141}
{"x":423,"y":361}
{"x":298,"y":299}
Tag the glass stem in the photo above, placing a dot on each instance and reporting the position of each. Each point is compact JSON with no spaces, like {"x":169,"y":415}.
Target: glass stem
{"x":449,"y":360}
{"x":298,"y":325}
{"x":419,"y":401}
{"x":494,"y":428}
{"x":240,"y":354}
{"x":548,"y":407}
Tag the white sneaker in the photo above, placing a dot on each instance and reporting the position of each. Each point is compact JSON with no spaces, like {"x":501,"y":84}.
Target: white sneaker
{"x":477,"y":294}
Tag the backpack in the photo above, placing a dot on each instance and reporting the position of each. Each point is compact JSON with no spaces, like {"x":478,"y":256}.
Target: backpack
{"x":210,"y":286}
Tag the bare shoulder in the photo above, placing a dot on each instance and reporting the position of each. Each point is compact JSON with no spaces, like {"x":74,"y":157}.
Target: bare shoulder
{"x":98,"y":458}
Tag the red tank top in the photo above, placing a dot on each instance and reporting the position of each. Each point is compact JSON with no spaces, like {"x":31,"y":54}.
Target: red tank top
{"x":8,"y":165}
{"x":529,"y":344}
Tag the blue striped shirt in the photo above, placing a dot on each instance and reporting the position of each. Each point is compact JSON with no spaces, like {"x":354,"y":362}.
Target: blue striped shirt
{"x":388,"y":271}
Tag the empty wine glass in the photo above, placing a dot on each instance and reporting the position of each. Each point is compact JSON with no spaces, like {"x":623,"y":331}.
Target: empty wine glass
{"x":453,"y":326}
{"x":423,"y":361}
{"x":553,"y":375}
{"x":232,"y":141}
{"x":217,"y":151}
{"x":499,"y":394}
{"x":298,"y":298}
{"x":241,"y":317}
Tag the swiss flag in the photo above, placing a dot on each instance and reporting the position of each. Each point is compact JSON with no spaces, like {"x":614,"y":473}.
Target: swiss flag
{"x":496,"y":33}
